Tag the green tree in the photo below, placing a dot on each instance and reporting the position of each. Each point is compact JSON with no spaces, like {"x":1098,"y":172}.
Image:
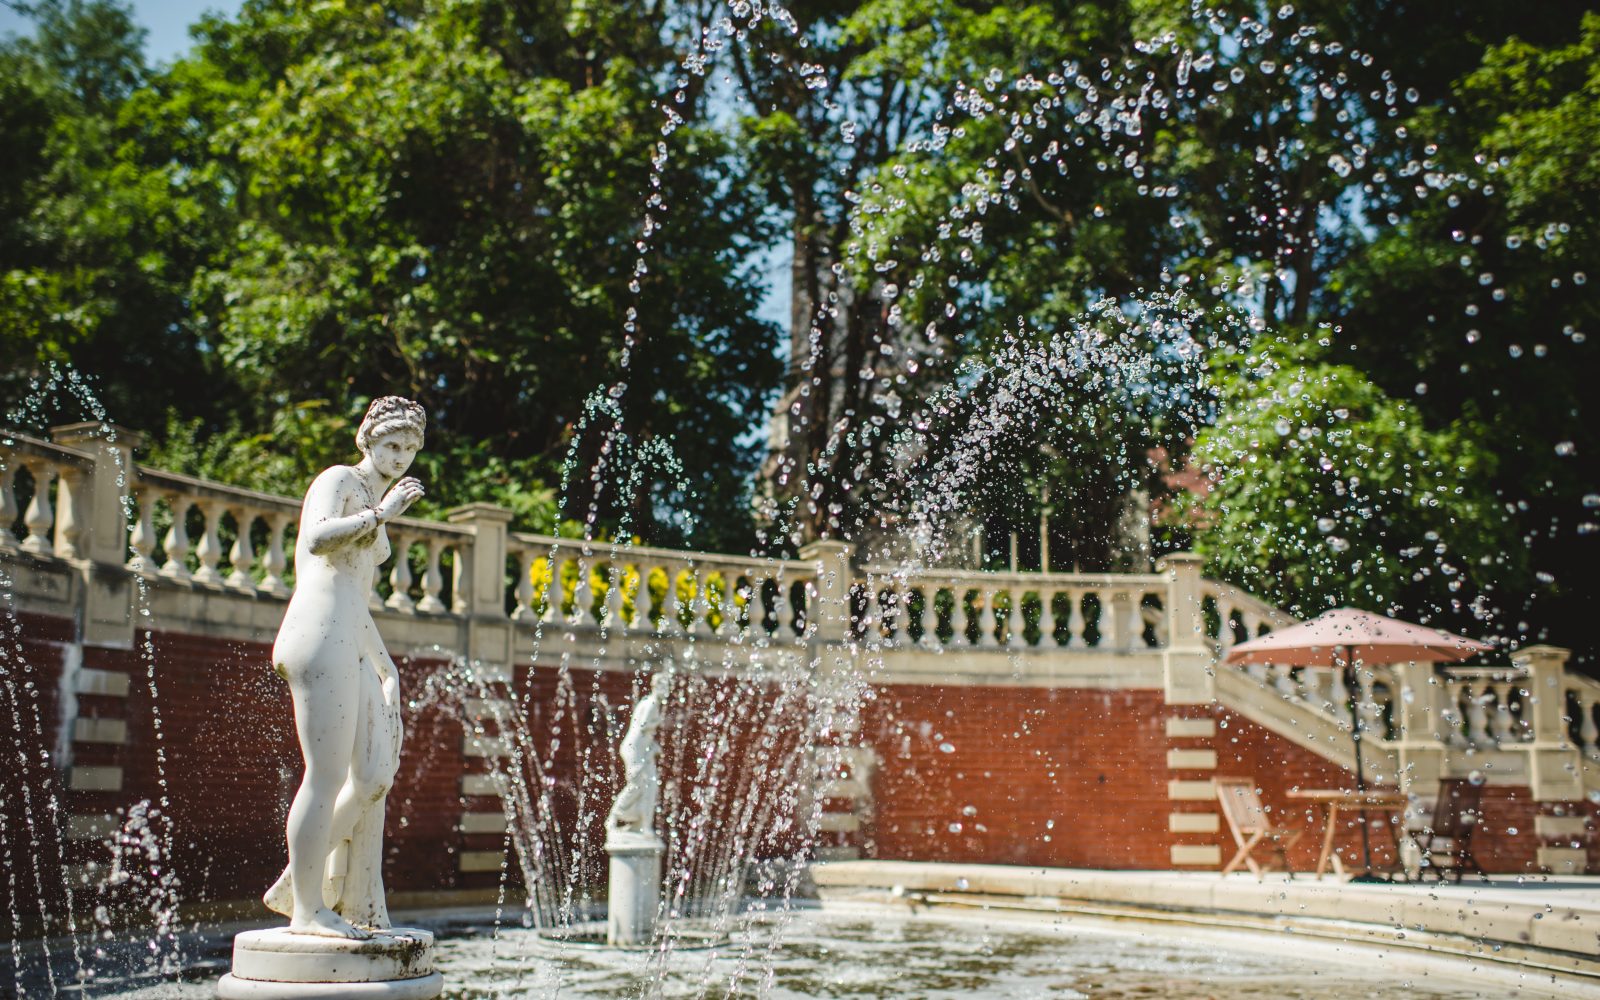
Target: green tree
{"x":1323,"y":491}
{"x":1478,"y":309}
{"x":101,"y":226}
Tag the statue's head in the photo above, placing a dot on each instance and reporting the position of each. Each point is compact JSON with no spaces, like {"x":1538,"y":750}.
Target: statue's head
{"x":391,"y":434}
{"x":661,"y":685}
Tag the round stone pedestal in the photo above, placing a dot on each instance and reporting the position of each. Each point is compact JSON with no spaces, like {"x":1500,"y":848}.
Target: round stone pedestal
{"x":635,"y":891}
{"x":396,"y":964}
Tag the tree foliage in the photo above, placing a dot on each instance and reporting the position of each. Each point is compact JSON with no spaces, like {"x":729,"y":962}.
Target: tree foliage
{"x":1321,"y":491}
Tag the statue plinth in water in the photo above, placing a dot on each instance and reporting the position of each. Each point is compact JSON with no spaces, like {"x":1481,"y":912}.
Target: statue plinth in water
{"x":346,"y":691}
{"x":634,"y":892}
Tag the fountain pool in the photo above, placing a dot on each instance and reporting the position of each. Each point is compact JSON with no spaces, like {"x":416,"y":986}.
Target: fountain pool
{"x":874,"y":952}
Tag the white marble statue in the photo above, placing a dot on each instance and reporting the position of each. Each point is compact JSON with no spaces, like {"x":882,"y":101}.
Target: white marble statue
{"x":345,"y":687}
{"x":633,"y":814}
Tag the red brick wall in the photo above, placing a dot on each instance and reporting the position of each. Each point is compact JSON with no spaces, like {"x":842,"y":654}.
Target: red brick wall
{"x":1036,"y":776}
{"x":32,"y":658}
{"x":232,"y":765}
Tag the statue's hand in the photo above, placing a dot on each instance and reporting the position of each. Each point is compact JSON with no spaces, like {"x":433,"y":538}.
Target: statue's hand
{"x":400,"y":496}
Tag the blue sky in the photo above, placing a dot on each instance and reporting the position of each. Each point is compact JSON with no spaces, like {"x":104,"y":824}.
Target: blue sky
{"x":167,"y":21}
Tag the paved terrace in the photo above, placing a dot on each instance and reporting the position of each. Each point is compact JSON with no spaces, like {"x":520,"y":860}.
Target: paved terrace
{"x":1544,"y":924}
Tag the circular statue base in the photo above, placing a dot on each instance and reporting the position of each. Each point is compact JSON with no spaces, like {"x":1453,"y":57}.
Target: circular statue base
{"x":395,"y":964}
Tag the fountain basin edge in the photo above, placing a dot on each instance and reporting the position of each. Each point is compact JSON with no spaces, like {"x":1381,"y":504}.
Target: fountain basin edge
{"x":1552,"y":932}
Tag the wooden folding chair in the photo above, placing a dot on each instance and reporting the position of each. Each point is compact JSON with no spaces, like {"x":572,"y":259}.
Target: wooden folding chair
{"x":1252,"y":826}
{"x":1446,"y":842}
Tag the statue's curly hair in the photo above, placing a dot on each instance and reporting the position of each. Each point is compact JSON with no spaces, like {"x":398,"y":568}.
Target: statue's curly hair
{"x":388,"y":414}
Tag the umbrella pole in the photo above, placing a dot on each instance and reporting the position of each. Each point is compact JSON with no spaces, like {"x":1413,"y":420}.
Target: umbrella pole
{"x":1361,"y":775}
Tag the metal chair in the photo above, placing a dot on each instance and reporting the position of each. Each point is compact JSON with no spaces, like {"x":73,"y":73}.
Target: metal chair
{"x":1251,"y":826}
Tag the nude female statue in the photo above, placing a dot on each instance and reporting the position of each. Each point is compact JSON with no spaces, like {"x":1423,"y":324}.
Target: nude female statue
{"x":345,"y":687}
{"x":634,"y":811}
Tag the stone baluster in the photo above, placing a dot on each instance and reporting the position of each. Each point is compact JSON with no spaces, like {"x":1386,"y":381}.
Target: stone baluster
{"x":613,"y":605}
{"x":242,"y":556}
{"x":670,"y":623}
{"x":753,"y":620}
{"x":732,"y":614}
{"x":1502,"y":723}
{"x":177,"y":541}
{"x":891,"y":611}
{"x":432,"y":580}
{"x":1338,"y":695}
{"x":1588,"y":726}
{"x":522,"y":593}
{"x":8,"y":501}
{"x":1453,"y":714}
{"x":986,"y":617}
{"x":400,"y":578}
{"x":1251,"y":622}
{"x":142,"y":539}
{"x":1120,"y":611}
{"x":1477,"y":715}
{"x":1365,"y":707}
{"x":785,"y":609}
{"x":1075,"y":622}
{"x":70,"y":484}
{"x":551,"y":596}
{"x":1283,"y":681}
{"x":583,"y":589}
{"x":920,"y":615}
{"x":699,"y":603}
{"x":209,"y":551}
{"x":276,"y":562}
{"x":1162,"y":622}
{"x":1014,"y":620}
{"x":40,"y":516}
{"x":1047,"y":618}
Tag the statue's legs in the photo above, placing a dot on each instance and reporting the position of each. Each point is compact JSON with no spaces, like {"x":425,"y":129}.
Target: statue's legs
{"x":361,"y":804}
{"x":327,"y":695}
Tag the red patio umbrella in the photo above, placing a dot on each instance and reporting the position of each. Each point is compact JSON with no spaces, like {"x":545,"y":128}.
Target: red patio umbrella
{"x":1345,"y":636}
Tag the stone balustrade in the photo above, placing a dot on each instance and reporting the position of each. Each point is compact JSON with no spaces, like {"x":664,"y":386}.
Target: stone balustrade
{"x":1582,"y":697}
{"x":1060,"y":611}
{"x":639,"y":589}
{"x":40,"y":487}
{"x":77,"y":502}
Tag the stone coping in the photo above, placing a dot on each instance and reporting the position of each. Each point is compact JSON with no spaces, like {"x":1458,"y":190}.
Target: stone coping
{"x":1549,"y":925}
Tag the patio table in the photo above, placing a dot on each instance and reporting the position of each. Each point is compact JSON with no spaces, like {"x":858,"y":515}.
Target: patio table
{"x":1333,"y":800}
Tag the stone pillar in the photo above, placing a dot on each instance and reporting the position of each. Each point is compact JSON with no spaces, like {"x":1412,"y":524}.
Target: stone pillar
{"x":1189,"y":658}
{"x":1554,"y":764}
{"x":634,"y":893}
{"x":831,"y":606}
{"x":94,"y":510}
{"x":479,"y":585}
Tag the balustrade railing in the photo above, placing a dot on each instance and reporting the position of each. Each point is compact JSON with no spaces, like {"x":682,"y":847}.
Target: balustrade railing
{"x":1233,"y":616}
{"x":638,"y":589}
{"x":1485,"y":707}
{"x":976,"y":610}
{"x":39,"y":485}
{"x":1581,"y":716}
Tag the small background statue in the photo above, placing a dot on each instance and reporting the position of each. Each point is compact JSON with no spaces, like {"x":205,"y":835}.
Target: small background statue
{"x":633,"y":814}
{"x":345,"y":687}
